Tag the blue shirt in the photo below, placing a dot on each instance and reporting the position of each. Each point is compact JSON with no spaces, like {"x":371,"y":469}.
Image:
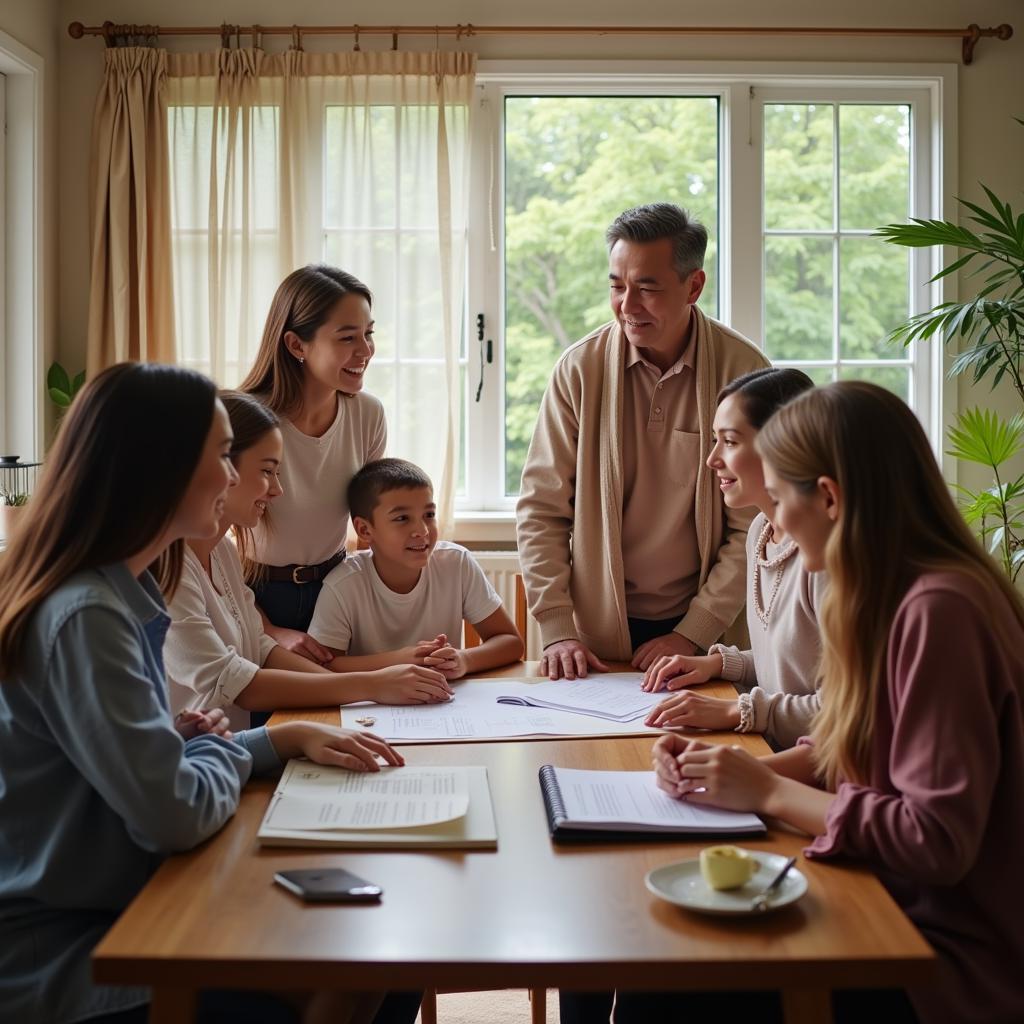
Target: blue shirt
{"x":96,"y":787}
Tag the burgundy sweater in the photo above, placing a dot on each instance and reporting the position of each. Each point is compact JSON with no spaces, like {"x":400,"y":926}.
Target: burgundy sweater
{"x":942,"y":822}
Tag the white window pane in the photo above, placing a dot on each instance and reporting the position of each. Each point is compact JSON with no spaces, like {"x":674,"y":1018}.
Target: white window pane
{"x":873,"y":297}
{"x":893,"y":378}
{"x":874,"y":165}
{"x":572,"y":164}
{"x":798,"y":297}
{"x":798,"y":166}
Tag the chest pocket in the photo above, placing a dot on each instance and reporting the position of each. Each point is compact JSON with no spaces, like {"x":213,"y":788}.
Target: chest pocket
{"x":683,"y":459}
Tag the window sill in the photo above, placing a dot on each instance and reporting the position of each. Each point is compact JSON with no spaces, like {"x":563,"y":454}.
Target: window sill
{"x":485,"y":527}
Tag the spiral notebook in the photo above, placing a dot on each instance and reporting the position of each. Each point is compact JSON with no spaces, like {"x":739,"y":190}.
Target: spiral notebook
{"x":600,"y":805}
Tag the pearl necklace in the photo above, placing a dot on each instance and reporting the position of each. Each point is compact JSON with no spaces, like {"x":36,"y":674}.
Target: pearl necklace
{"x":778,"y":563}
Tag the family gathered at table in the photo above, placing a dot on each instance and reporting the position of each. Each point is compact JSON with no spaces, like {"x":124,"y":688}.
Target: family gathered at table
{"x":185,"y":574}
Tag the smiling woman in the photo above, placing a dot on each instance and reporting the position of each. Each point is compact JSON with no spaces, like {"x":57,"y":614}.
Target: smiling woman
{"x":317,"y":344}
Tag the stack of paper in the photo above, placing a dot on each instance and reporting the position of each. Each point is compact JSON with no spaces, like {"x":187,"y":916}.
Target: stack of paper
{"x":505,"y":708}
{"x":616,"y":696}
{"x":317,"y":805}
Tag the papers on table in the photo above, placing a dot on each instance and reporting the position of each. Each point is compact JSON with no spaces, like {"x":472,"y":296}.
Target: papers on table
{"x":578,"y":800}
{"x":384,"y":800}
{"x":476,"y":714}
{"x":437,"y":807}
{"x":613,"y":695}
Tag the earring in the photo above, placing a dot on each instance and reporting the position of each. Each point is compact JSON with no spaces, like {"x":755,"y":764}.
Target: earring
{"x":302,"y":360}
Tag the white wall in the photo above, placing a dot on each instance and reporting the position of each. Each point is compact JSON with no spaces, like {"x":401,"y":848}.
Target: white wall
{"x":991,"y":91}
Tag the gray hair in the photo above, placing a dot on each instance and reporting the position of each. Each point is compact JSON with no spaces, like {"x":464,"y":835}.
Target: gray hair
{"x":663,"y":220}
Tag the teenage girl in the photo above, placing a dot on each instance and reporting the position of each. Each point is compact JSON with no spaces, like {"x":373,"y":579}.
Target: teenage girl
{"x":778,"y":677}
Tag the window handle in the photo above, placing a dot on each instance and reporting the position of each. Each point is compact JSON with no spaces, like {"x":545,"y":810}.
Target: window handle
{"x":489,"y":350}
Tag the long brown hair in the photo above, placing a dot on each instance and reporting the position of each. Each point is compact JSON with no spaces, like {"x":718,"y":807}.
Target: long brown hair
{"x":301,"y":304}
{"x":897,"y":521}
{"x":251,"y":421}
{"x":120,"y":466}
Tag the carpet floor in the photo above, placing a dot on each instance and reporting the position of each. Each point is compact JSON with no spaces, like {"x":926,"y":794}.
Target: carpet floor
{"x":506,"y":1006}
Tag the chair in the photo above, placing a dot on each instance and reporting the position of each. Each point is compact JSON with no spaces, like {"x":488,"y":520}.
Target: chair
{"x":472,"y":637}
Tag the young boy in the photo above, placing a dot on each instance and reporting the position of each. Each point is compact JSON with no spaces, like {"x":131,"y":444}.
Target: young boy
{"x":404,"y":600}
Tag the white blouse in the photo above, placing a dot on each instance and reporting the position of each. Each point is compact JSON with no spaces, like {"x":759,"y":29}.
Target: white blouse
{"x":216,"y":642}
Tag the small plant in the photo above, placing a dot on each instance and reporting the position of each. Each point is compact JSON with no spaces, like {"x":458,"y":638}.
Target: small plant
{"x":997,"y":513}
{"x":986,"y":333}
{"x":61,"y":387}
{"x":12,"y":499}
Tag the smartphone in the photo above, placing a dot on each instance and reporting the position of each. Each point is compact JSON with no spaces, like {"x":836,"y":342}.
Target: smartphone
{"x":329,"y":885}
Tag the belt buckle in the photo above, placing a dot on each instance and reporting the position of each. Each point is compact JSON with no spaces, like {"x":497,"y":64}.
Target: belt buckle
{"x":295,"y":575}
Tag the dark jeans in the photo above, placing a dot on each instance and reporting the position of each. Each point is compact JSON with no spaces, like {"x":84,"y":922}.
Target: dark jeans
{"x":231,"y":1007}
{"x":850,"y":1006}
{"x":642,"y":630}
{"x":288,"y":604}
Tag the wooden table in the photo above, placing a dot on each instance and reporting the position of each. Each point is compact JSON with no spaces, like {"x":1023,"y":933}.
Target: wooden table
{"x":529,"y":915}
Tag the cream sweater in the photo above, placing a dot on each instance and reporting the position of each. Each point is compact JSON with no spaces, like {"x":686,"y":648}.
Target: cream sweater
{"x":570,"y":507}
{"x":778,"y":677}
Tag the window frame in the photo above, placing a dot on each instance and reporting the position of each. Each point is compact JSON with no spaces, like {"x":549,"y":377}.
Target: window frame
{"x":483,"y":512}
{"x":22,"y":271}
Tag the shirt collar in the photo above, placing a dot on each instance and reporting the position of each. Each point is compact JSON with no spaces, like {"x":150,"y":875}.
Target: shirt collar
{"x":688,"y":358}
{"x":141,"y":595}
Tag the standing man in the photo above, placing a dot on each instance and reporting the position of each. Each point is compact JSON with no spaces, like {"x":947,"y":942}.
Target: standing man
{"x":628,"y":551}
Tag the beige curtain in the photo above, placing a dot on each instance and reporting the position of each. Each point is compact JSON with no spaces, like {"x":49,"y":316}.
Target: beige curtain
{"x":131,"y":308}
{"x":357,"y":159}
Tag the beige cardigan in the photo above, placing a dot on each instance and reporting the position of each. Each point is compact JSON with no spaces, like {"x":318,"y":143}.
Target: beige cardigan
{"x":569,"y":514}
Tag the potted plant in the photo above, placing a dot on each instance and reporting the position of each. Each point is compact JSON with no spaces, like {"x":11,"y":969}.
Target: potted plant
{"x":12,"y":504}
{"x":61,"y":386}
{"x":987,"y":332}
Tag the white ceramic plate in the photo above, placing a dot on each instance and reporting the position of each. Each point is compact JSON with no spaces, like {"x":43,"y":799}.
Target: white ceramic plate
{"x":681,"y":883}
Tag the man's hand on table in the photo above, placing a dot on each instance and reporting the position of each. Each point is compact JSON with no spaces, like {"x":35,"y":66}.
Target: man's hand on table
{"x":569,"y":658}
{"x":661,"y":647}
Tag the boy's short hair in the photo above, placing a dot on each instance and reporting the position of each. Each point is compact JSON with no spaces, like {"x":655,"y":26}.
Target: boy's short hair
{"x":366,"y":487}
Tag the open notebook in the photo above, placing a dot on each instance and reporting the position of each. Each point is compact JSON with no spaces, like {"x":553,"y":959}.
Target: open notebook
{"x":409,"y":807}
{"x":602,"y":805}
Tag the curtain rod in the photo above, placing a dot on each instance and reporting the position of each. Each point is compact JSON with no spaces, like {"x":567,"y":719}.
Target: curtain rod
{"x":110,"y":32}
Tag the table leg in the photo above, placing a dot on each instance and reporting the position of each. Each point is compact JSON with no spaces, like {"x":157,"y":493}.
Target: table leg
{"x":538,"y":1005}
{"x":806,"y":1006}
{"x":172,"y":1006}
{"x":428,"y":1008}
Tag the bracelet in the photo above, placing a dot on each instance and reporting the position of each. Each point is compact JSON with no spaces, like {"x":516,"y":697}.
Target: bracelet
{"x":746,"y":706}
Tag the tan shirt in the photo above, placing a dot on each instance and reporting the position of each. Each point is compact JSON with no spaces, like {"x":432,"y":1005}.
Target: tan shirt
{"x":660,"y":458}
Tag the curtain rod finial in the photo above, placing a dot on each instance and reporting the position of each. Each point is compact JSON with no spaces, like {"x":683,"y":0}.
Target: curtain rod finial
{"x":76,"y":30}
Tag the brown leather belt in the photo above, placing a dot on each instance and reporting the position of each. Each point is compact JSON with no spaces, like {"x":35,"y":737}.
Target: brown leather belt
{"x":301,"y":573}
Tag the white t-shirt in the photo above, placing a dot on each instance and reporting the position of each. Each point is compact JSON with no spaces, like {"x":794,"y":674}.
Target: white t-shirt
{"x":216,"y":642}
{"x":309,"y":521}
{"x":357,"y":613}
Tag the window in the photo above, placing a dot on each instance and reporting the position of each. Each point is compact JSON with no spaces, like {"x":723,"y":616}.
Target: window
{"x":791,"y":173}
{"x":833,"y":172}
{"x":791,"y":180}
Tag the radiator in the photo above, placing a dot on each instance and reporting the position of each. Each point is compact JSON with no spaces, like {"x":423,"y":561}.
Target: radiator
{"x":502,"y":568}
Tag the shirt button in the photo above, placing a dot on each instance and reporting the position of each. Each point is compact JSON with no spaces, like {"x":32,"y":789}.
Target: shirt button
{"x":661,"y":384}
{"x":657,"y":409}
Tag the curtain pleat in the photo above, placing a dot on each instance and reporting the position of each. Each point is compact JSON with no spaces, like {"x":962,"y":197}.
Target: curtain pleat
{"x":131,"y":305}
